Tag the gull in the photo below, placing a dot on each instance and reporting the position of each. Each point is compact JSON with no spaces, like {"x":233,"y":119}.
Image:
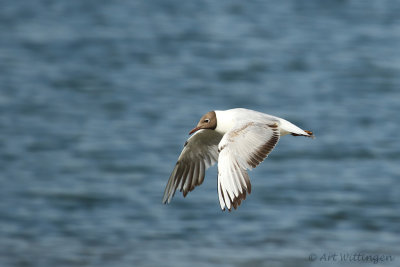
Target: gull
{"x":238,"y":139}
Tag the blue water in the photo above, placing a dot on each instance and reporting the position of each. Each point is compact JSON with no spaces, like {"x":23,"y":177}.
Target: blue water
{"x":97,"y":99}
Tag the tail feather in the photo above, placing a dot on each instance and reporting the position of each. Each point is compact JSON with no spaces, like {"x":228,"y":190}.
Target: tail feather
{"x":309,"y":134}
{"x":287,"y":127}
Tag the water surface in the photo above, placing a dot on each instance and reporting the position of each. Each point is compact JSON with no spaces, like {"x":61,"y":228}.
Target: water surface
{"x":97,"y":98}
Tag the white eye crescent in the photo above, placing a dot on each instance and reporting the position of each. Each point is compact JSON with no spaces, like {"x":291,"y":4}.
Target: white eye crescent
{"x":206,"y":121}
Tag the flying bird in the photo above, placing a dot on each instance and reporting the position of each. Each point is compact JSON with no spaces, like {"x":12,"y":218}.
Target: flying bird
{"x":238,"y":139}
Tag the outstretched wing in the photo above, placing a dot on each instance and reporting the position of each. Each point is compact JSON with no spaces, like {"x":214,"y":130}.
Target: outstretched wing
{"x":242,"y":148}
{"x":199,"y":153}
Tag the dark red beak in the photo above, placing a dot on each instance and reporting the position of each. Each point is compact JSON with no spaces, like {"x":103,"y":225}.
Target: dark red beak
{"x":194,"y":130}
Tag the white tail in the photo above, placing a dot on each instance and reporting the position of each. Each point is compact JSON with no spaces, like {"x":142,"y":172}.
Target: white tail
{"x":289,"y":128}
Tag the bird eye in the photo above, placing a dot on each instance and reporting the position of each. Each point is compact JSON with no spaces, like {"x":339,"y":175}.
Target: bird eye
{"x":206,"y":121}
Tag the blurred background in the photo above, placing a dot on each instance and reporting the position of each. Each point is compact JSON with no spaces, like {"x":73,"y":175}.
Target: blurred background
{"x":97,"y":99}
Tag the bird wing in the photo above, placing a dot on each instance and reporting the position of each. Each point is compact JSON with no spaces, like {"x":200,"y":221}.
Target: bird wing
{"x":199,"y":153}
{"x":242,"y":148}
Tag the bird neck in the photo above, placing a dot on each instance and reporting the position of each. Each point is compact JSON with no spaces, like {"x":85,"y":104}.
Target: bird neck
{"x":225,"y":121}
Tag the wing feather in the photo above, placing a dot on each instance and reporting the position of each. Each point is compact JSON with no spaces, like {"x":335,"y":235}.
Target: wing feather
{"x":199,"y":153}
{"x":241,"y":149}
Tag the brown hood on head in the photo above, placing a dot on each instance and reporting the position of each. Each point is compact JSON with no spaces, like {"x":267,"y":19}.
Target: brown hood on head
{"x":208,"y":121}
